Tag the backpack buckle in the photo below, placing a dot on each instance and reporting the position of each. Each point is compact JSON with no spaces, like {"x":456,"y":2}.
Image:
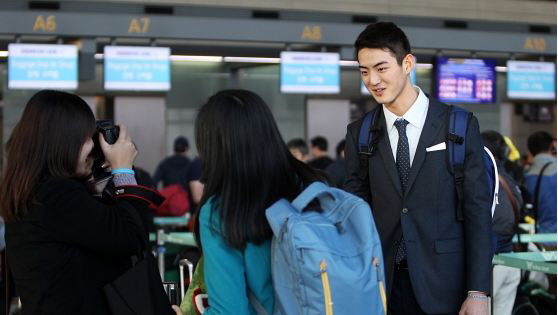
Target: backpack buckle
{"x":458,"y":174}
{"x":363,"y":158}
{"x":455,"y":138}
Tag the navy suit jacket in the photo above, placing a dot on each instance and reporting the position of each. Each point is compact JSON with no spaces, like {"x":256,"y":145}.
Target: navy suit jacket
{"x":446,"y":257}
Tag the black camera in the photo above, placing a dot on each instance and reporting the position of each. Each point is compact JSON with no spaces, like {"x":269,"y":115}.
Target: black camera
{"x":110,"y":133}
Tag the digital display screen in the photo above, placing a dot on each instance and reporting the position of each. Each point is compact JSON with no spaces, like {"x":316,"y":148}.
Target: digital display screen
{"x":137,"y":68}
{"x":39,"y":66}
{"x":531,"y":80}
{"x":462,"y":80}
{"x":309,"y":72}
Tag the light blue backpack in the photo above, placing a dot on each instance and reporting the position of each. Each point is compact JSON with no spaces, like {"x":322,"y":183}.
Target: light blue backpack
{"x":326,"y":262}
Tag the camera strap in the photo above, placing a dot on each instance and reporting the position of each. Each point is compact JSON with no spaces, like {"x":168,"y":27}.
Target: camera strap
{"x":144,"y":194}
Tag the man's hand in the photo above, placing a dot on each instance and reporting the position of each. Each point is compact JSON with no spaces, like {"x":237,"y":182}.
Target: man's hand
{"x":474,"y":305}
{"x":177,"y":310}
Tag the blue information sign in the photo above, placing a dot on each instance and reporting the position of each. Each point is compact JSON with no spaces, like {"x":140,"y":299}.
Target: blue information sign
{"x":38,"y":66}
{"x":466,"y":80}
{"x":531,"y":80}
{"x":137,"y":68}
{"x":308,"y":72}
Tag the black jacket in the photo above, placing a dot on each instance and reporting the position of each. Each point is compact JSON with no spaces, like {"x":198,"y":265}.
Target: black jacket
{"x":66,"y":248}
{"x":446,"y":258}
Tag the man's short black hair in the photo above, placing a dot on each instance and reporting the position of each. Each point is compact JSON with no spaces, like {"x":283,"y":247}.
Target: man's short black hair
{"x":538,"y":142}
{"x":384,"y":35}
{"x":319,"y":142}
{"x":181,"y":144}
{"x":298,"y":144}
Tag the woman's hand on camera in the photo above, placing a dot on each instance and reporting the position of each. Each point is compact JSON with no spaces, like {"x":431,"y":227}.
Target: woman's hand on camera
{"x":122,"y":153}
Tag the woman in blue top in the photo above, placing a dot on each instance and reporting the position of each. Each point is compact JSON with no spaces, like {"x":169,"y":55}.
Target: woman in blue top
{"x":246,"y":167}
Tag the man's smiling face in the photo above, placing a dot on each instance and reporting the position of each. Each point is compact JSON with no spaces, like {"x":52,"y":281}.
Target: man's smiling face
{"x":383,"y":76}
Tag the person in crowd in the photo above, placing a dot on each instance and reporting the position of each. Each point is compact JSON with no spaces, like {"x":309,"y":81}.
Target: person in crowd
{"x":504,"y":225}
{"x":63,"y":244}
{"x":512,"y":162}
{"x":318,"y":148}
{"x":241,"y":182}
{"x":143,"y":178}
{"x":541,"y":181}
{"x":435,"y":264}
{"x":336,"y":170}
{"x":298,"y":149}
{"x":180,"y":169}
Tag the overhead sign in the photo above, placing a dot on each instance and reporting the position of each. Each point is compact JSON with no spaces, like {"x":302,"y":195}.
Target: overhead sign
{"x":309,"y":72}
{"x":34,"y":66}
{"x":137,"y":68}
{"x":463,"y":80}
{"x":531,"y":80}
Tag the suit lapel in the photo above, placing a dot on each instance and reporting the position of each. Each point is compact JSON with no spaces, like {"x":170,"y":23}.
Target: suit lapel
{"x":434,"y":120}
{"x":387,"y":156}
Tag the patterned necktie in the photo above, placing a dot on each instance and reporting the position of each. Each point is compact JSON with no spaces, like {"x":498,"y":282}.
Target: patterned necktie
{"x":403,"y":165}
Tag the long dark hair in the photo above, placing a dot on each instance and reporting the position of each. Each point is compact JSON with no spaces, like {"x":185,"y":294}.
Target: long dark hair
{"x":245,"y":164}
{"x":45,"y":143}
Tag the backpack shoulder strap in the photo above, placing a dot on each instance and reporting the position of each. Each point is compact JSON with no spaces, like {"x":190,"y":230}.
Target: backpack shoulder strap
{"x":458,"y":122}
{"x":537,"y":192}
{"x":367,"y":138}
{"x":257,"y":305}
{"x":493,"y":176}
{"x":515,"y":207}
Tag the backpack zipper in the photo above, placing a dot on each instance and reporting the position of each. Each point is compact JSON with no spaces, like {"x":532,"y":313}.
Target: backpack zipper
{"x":327,"y":291}
{"x":376,"y":263}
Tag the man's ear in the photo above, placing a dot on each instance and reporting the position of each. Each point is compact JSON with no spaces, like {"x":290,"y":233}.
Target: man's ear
{"x":408,"y":62}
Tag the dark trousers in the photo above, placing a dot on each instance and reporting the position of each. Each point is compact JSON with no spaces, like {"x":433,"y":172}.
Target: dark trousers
{"x":402,"y":300}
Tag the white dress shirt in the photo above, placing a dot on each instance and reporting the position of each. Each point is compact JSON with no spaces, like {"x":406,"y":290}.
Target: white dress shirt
{"x":416,"y":116}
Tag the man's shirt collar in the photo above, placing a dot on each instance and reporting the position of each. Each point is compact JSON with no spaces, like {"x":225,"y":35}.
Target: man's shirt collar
{"x":416,"y":115}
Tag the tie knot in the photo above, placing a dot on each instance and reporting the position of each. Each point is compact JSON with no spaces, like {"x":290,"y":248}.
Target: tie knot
{"x":400,"y":124}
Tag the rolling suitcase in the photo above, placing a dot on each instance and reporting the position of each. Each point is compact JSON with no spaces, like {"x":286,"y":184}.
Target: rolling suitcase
{"x":181,"y":264}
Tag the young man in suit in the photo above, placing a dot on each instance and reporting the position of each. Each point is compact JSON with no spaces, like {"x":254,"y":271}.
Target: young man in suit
{"x":434,"y":263}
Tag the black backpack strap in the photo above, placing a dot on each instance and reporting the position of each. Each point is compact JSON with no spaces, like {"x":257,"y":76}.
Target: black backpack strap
{"x":537,"y":192}
{"x":458,"y":122}
{"x":515,"y":207}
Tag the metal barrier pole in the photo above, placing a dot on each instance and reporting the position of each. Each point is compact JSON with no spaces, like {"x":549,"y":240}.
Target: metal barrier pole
{"x":161,"y":252}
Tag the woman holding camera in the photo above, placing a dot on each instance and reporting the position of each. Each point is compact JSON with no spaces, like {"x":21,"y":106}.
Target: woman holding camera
{"x":63,"y":244}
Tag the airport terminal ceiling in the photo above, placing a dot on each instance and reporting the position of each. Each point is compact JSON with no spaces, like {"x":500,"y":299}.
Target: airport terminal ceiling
{"x":236,"y":31}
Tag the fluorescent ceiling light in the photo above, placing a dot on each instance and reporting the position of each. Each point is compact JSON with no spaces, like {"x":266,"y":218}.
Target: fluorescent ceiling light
{"x":252,"y":59}
{"x":99,"y":56}
{"x":348,"y":63}
{"x":501,"y":69}
{"x":3,"y":53}
{"x":352,"y":63}
{"x":196,"y":58}
{"x":424,"y":66}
